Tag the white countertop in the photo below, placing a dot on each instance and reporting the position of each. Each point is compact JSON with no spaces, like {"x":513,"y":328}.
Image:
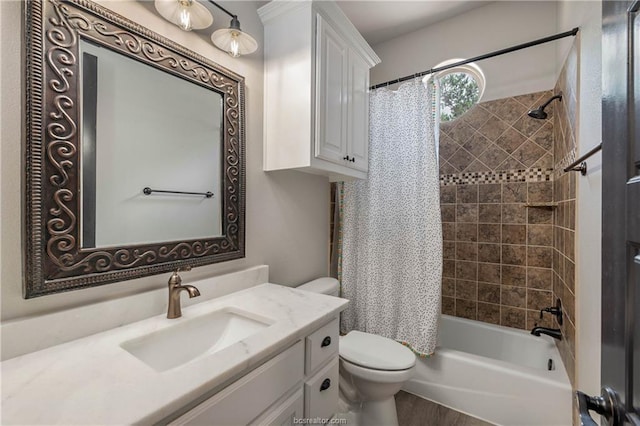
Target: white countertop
{"x":94,"y":381}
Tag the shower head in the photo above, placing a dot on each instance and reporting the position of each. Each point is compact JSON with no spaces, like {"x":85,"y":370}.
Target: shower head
{"x":539,"y":112}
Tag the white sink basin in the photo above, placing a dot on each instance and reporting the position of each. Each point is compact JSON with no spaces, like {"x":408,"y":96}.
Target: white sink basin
{"x":194,"y":338}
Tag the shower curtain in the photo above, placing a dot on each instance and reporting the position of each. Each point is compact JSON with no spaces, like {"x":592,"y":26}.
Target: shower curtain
{"x":391,"y":257}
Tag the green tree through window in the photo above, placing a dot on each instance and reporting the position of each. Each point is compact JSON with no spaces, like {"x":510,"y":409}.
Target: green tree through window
{"x":458,"y":92}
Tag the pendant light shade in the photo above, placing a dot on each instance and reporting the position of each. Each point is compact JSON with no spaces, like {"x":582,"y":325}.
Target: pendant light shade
{"x":191,"y":15}
{"x":186,"y":14}
{"x":233,"y":40}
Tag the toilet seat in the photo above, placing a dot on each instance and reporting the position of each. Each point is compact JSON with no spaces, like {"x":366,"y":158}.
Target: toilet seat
{"x":375,"y":352}
{"x":377,"y":376}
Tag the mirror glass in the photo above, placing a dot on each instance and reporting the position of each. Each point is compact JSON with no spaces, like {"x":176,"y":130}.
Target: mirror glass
{"x":139,"y":141}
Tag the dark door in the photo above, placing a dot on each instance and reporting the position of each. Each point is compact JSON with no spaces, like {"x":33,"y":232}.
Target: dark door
{"x":619,"y":403}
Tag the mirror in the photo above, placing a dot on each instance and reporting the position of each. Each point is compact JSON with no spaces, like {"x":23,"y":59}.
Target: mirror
{"x":134,"y":152}
{"x":135,"y":136}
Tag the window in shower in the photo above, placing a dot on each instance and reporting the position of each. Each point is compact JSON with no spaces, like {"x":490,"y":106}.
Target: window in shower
{"x":459,"y":89}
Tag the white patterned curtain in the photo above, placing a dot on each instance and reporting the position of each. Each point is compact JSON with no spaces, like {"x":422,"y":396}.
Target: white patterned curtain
{"x":391,"y":267}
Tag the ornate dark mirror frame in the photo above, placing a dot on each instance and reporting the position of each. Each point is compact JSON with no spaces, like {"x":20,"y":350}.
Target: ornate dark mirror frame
{"x":54,"y":260}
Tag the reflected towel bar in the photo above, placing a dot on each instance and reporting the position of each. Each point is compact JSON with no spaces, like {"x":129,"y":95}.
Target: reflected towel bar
{"x":149,"y":191}
{"x":580,"y":165}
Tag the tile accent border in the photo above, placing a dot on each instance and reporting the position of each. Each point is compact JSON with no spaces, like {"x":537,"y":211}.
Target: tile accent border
{"x":559,"y":167}
{"x":528,"y":175}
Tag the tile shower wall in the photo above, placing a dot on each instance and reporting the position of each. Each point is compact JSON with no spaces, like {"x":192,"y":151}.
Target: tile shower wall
{"x":564,"y":223}
{"x":496,"y":197}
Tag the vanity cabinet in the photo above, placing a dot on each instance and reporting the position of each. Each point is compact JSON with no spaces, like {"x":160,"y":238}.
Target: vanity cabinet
{"x":316,"y":90}
{"x":299,"y":382}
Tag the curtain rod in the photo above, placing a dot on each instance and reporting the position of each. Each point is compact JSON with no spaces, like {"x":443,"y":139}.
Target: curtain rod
{"x":573,"y":32}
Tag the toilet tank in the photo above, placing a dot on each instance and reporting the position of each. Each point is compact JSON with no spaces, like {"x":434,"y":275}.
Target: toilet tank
{"x":325,"y":285}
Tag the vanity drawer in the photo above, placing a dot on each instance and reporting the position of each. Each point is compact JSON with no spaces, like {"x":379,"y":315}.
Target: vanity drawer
{"x":321,"y":345}
{"x":321,"y":392}
{"x":245,"y":399}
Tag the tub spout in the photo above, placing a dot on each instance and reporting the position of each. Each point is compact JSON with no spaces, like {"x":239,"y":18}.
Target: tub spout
{"x":553,"y":332}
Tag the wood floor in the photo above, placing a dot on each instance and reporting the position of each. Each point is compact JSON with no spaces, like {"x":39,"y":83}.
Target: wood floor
{"x":415,"y":411}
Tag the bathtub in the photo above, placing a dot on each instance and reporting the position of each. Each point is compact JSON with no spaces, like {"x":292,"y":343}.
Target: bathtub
{"x":497,"y":374}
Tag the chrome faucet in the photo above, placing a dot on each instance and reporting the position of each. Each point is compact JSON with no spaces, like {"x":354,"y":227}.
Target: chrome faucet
{"x":175,"y":288}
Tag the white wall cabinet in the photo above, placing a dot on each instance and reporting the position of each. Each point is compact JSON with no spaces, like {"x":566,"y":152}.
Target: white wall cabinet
{"x":316,"y":90}
{"x":300,"y":382}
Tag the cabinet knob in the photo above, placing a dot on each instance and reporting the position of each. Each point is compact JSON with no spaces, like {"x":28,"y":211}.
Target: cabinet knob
{"x":346,"y":158}
{"x":326,"y":384}
{"x":326,"y":342}
{"x":353,"y":159}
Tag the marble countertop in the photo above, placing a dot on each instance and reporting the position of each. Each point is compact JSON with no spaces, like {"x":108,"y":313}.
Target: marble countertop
{"x":93,"y":380}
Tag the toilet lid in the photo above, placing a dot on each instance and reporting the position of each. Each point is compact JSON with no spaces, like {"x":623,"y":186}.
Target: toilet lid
{"x":375,"y":352}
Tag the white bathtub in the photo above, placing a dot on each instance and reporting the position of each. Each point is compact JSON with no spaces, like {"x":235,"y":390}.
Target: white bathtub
{"x":495,"y":373}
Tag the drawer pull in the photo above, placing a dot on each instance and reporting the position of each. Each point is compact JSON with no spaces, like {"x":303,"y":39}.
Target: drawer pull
{"x":326,"y":384}
{"x":326,"y":342}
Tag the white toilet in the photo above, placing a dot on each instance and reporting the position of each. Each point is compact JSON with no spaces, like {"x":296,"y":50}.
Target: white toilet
{"x":372,"y":368}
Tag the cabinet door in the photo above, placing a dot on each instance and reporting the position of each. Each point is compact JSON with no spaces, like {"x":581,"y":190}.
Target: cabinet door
{"x":331,"y":94}
{"x":285,"y":414}
{"x":250,"y":395}
{"x":358,"y":140}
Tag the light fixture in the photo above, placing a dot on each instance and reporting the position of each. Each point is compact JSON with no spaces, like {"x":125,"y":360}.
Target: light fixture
{"x":233,"y":40}
{"x":190,"y":14}
{"x":186,"y":14}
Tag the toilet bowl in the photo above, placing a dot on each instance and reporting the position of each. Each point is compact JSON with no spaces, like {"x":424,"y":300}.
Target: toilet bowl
{"x":372,"y":368}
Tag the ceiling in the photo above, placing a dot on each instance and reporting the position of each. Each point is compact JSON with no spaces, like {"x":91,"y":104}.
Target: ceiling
{"x":379,"y":20}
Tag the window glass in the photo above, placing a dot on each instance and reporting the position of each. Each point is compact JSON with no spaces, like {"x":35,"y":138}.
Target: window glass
{"x":459,"y":91}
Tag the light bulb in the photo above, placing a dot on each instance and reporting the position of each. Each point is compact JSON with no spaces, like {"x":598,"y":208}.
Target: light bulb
{"x":234,"y":46}
{"x":184,"y":15}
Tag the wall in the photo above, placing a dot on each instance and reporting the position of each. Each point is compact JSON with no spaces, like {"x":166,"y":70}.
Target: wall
{"x":564,"y":221}
{"x":492,"y":27}
{"x":588,"y":228}
{"x":494,"y":160}
{"x":287,"y":224}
